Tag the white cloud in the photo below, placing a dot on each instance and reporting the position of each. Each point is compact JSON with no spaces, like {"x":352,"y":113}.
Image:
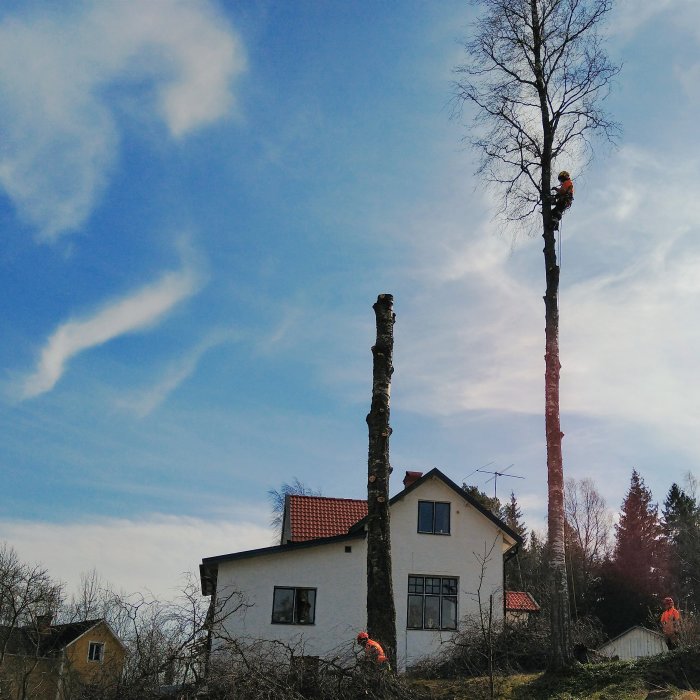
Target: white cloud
{"x":630,"y":15}
{"x":470,"y":333}
{"x":59,"y":119}
{"x":148,"y":400}
{"x":151,"y":552}
{"x":134,"y":312}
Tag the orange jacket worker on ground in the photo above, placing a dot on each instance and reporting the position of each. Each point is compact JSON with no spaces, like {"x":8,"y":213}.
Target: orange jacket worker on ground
{"x":373,"y":650}
{"x":563,"y":197}
{"x":671,"y":623}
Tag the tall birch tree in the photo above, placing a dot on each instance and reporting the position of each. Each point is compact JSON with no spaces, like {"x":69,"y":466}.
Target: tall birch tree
{"x":536,"y":73}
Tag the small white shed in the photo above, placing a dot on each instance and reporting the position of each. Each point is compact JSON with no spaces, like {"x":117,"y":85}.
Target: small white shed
{"x":634,"y":643}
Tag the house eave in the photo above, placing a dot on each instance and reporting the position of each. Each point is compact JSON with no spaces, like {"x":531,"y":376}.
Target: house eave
{"x":208,"y":569}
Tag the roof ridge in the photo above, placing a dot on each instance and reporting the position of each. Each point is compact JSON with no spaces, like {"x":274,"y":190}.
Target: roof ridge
{"x":329,"y":498}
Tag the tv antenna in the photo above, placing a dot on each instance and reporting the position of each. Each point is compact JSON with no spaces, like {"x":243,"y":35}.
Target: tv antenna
{"x":495,"y":474}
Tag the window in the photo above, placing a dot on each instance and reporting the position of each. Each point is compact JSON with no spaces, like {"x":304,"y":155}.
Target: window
{"x":432,"y":603}
{"x":96,"y":651}
{"x":434,"y":517}
{"x":294,"y":606}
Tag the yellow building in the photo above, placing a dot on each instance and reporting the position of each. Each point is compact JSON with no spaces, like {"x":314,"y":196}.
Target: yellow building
{"x":45,"y":662}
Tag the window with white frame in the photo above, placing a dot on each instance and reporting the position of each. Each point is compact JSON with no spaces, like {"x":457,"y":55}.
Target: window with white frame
{"x":293,"y":606}
{"x":434,"y":517}
{"x":96,"y":651}
{"x":432,"y":602}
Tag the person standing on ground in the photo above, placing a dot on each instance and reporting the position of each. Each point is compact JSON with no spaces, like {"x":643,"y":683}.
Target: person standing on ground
{"x":671,"y":623}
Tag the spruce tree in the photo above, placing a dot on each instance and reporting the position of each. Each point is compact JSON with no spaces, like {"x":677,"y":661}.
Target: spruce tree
{"x":681,"y":520}
{"x":635,"y":579}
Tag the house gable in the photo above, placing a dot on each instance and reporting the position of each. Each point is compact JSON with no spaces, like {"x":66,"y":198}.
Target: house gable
{"x":511,"y":536}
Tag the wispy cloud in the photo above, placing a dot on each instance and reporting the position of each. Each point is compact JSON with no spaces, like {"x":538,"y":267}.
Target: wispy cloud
{"x":146,"y":401}
{"x":60,"y":123}
{"x":135,"y":312}
{"x":470,"y":332}
{"x":134,"y":554}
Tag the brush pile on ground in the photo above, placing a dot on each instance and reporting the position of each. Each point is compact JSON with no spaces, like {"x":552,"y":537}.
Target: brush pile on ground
{"x":268,"y":671}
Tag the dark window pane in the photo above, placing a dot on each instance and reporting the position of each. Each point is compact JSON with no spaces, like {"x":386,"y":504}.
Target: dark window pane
{"x":283,"y":605}
{"x":432,"y":585}
{"x":442,"y":518}
{"x":305,"y":606}
{"x":449,"y":613}
{"x":415,"y":584}
{"x":432,"y":612}
{"x":449,"y":586}
{"x":415,"y":612}
{"x":425,"y":516}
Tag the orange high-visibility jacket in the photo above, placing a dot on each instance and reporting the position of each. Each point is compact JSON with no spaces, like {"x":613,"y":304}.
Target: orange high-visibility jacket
{"x":565,"y":193}
{"x":375,"y":652}
{"x":670,"y":621}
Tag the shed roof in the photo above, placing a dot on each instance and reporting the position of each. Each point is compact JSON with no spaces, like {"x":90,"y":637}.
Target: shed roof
{"x":520,"y":601}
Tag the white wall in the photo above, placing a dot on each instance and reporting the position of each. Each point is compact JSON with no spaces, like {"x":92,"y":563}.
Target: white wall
{"x":634,"y":644}
{"x":471,"y":534}
{"x":340,"y":578}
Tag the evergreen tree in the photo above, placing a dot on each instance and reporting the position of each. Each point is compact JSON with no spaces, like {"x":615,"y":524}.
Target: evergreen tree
{"x":632,"y":583}
{"x":512,"y":516}
{"x":491,"y":503}
{"x":533,"y":570}
{"x":639,"y":544}
{"x":681,"y":520}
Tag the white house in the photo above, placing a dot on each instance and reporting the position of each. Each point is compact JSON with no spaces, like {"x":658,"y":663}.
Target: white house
{"x":634,"y":643}
{"x":447,"y":554}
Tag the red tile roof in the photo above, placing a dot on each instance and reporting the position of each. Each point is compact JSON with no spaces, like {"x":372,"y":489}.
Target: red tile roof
{"x":519,"y":601}
{"x":311,"y":517}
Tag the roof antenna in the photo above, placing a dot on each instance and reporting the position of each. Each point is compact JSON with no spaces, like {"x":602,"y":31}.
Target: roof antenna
{"x":496,"y":474}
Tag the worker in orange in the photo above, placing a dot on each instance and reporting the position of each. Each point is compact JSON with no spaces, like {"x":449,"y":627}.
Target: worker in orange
{"x":671,"y":623}
{"x":563,"y":197}
{"x":373,"y":650}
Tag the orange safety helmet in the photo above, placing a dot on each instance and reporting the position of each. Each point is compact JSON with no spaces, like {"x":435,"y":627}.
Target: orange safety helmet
{"x":563,"y":175}
{"x":362,"y":637}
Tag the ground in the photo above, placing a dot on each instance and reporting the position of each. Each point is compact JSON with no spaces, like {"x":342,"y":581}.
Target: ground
{"x":675,"y":675}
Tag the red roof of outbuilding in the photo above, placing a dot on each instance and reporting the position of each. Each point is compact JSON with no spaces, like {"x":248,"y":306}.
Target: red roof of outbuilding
{"x":519,"y":601}
{"x":311,"y":517}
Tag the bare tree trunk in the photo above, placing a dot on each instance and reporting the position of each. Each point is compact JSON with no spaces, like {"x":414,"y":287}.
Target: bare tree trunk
{"x":559,"y":611}
{"x":381,"y":614}
{"x":561,"y":648}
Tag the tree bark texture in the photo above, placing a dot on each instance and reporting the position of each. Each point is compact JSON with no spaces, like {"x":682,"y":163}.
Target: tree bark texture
{"x":560,"y":654}
{"x":381,"y":613}
{"x":559,"y":610}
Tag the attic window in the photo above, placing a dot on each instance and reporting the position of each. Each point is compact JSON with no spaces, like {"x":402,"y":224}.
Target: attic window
{"x":433,"y":517}
{"x":96,"y":651}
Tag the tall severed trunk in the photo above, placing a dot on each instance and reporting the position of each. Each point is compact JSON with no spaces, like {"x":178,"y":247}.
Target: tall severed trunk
{"x":381,"y":614}
{"x":560,"y":653}
{"x":559,"y":610}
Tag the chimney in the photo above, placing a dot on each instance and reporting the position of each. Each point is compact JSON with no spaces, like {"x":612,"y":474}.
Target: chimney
{"x":411,"y":477}
{"x":43,"y":623}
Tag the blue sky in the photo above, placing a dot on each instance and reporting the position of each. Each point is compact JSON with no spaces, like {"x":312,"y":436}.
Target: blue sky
{"x":200,"y":203}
